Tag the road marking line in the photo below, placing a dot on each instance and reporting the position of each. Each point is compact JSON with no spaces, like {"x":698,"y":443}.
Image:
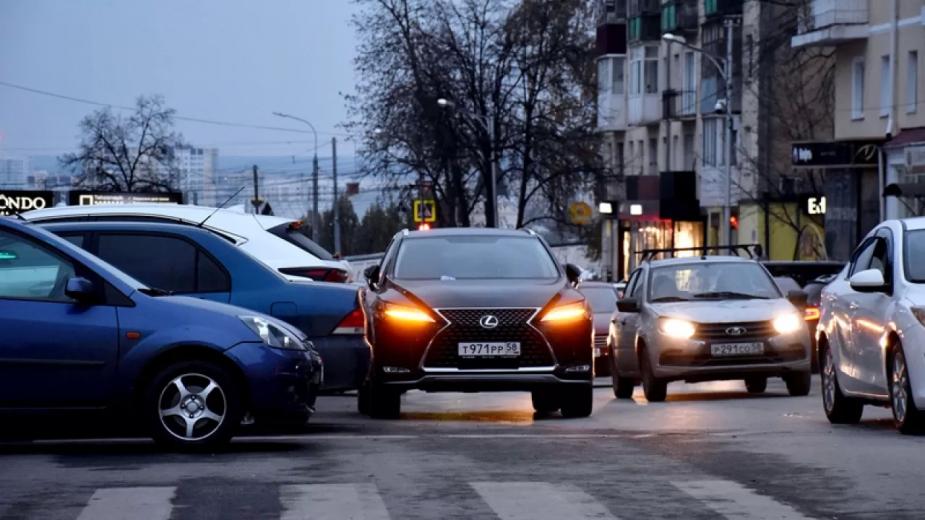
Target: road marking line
{"x":332,"y":502}
{"x":733,"y":500}
{"x":128,"y":503}
{"x":540,"y":501}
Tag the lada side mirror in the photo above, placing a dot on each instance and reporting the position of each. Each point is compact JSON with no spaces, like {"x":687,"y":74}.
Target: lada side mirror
{"x":799,"y":299}
{"x":628,"y":305}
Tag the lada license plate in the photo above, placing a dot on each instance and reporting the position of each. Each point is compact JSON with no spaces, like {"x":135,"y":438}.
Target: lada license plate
{"x":505,"y":349}
{"x":736,"y":349}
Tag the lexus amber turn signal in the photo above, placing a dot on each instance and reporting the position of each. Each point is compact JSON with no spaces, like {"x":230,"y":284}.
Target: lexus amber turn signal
{"x":406,"y":314}
{"x":568,"y":312}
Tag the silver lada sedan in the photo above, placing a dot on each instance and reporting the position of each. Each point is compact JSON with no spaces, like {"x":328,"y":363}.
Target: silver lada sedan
{"x":707,"y":318}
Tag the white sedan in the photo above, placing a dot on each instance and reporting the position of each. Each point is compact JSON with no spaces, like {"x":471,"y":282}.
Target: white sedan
{"x":275,"y":241}
{"x":871,"y":332}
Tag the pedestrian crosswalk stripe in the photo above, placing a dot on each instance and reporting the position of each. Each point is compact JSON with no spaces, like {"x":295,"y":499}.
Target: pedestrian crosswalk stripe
{"x":129,"y":503}
{"x":332,"y":502}
{"x":540,"y":501}
{"x":733,"y":501}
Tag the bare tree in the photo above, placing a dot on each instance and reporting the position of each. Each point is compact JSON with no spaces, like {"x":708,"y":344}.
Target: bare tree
{"x":128,"y":154}
{"x":507,"y":66}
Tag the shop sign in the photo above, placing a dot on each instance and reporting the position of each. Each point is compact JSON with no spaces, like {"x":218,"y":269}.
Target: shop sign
{"x":20,"y":201}
{"x":814,"y":205}
{"x":844,"y":154}
{"x":90,"y":198}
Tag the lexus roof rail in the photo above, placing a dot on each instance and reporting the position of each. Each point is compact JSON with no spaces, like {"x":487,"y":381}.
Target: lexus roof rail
{"x":752,"y":250}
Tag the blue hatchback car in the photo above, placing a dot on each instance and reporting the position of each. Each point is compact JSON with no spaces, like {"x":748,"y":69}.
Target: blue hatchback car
{"x":77,"y":334}
{"x":191,"y":261}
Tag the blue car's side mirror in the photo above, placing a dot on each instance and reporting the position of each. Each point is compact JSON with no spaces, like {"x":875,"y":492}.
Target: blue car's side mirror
{"x":80,"y":290}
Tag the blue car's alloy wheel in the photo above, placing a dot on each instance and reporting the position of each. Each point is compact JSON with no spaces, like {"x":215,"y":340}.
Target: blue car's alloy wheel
{"x":193,"y":404}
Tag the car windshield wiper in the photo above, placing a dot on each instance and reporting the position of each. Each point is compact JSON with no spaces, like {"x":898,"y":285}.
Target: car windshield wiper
{"x":154,"y":291}
{"x":730,"y":294}
{"x":666,"y":299}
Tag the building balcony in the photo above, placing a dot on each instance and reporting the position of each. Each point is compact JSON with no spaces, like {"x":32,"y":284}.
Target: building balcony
{"x":643,"y":109}
{"x":831,"y":22}
{"x":643,"y":7}
{"x":611,"y":39}
{"x":679,"y":104}
{"x":611,"y":11}
{"x":679,"y":16}
{"x":719,"y":8}
{"x":645,"y":28}
{"x":611,"y":112}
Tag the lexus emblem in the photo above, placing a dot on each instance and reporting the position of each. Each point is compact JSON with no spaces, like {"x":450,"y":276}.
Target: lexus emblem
{"x":736,"y":331}
{"x":488,"y":321}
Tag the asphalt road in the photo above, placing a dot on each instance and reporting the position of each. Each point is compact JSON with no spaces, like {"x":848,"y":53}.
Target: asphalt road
{"x":711,"y":451}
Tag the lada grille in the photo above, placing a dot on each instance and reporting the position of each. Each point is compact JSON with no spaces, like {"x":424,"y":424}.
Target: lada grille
{"x":464,"y":326}
{"x":734,"y":332}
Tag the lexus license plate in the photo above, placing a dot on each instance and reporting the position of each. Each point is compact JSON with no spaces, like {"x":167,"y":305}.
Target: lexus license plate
{"x":501,"y":349}
{"x":736,"y":349}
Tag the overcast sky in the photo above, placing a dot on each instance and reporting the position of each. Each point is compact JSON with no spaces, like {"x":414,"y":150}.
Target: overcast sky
{"x":227,"y":60}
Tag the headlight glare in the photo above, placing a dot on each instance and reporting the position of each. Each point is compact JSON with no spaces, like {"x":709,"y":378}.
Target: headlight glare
{"x":788,"y":323}
{"x":676,"y":328}
{"x":271,"y":334}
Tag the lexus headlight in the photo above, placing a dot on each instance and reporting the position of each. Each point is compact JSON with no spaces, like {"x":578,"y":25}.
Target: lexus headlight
{"x":271,"y":334}
{"x":675,"y":328}
{"x":788,"y":323}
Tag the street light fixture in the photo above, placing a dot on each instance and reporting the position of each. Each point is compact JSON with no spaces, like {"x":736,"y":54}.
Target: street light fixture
{"x":724,"y":67}
{"x":316,"y":224}
{"x":486,"y":123}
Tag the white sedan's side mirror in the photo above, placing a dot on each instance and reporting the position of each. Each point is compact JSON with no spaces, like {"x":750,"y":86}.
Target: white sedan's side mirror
{"x":869,"y":280}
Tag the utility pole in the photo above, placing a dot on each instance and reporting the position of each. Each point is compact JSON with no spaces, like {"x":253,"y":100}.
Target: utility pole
{"x":316,"y":222}
{"x":256,"y":201}
{"x":730,"y":146}
{"x":337,"y":250}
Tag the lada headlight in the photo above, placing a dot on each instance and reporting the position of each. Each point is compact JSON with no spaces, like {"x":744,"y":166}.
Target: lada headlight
{"x":676,"y":328}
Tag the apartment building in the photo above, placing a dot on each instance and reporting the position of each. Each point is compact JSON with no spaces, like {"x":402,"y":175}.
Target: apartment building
{"x":875,"y":162}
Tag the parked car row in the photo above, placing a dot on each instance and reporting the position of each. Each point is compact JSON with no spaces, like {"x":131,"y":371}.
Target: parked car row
{"x":161,"y":313}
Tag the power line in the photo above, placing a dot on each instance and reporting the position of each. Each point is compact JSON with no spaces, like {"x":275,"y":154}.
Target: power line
{"x":178,"y":117}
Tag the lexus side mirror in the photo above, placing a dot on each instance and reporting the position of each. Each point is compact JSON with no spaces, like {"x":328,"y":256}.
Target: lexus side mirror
{"x":869,"y":280}
{"x":80,"y":290}
{"x":372,"y":276}
{"x":628,"y":305}
{"x":573,"y":273}
{"x":798,"y":299}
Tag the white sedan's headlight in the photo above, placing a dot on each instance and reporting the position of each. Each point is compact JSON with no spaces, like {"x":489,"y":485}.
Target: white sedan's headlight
{"x":787,"y":323}
{"x":271,"y":334}
{"x":676,"y":328}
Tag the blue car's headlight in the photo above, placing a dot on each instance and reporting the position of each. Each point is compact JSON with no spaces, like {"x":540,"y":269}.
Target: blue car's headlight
{"x":272,"y":334}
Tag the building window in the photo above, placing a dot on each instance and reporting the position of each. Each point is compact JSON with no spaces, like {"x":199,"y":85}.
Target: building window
{"x":653,"y":157}
{"x":651,"y":70}
{"x":857,"y":89}
{"x":886,"y":86}
{"x":709,"y":141}
{"x":617,"y":75}
{"x":912,"y":82}
{"x":603,"y":75}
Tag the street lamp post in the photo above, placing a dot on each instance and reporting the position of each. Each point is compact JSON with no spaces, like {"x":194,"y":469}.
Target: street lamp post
{"x":486,"y":123}
{"x":316,"y":224}
{"x":724,"y":67}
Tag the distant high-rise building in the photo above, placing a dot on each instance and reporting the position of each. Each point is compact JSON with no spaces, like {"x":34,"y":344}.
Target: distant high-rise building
{"x":13,"y":172}
{"x":196,"y":176}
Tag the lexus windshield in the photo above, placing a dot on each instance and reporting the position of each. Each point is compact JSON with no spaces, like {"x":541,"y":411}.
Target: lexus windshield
{"x":474,"y":257}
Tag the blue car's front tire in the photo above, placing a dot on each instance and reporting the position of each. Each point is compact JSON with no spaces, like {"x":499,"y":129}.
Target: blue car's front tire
{"x":193,"y":404}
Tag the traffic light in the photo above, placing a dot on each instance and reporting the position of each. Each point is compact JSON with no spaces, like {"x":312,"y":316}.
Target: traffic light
{"x":734,"y":222}
{"x":423,"y":226}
